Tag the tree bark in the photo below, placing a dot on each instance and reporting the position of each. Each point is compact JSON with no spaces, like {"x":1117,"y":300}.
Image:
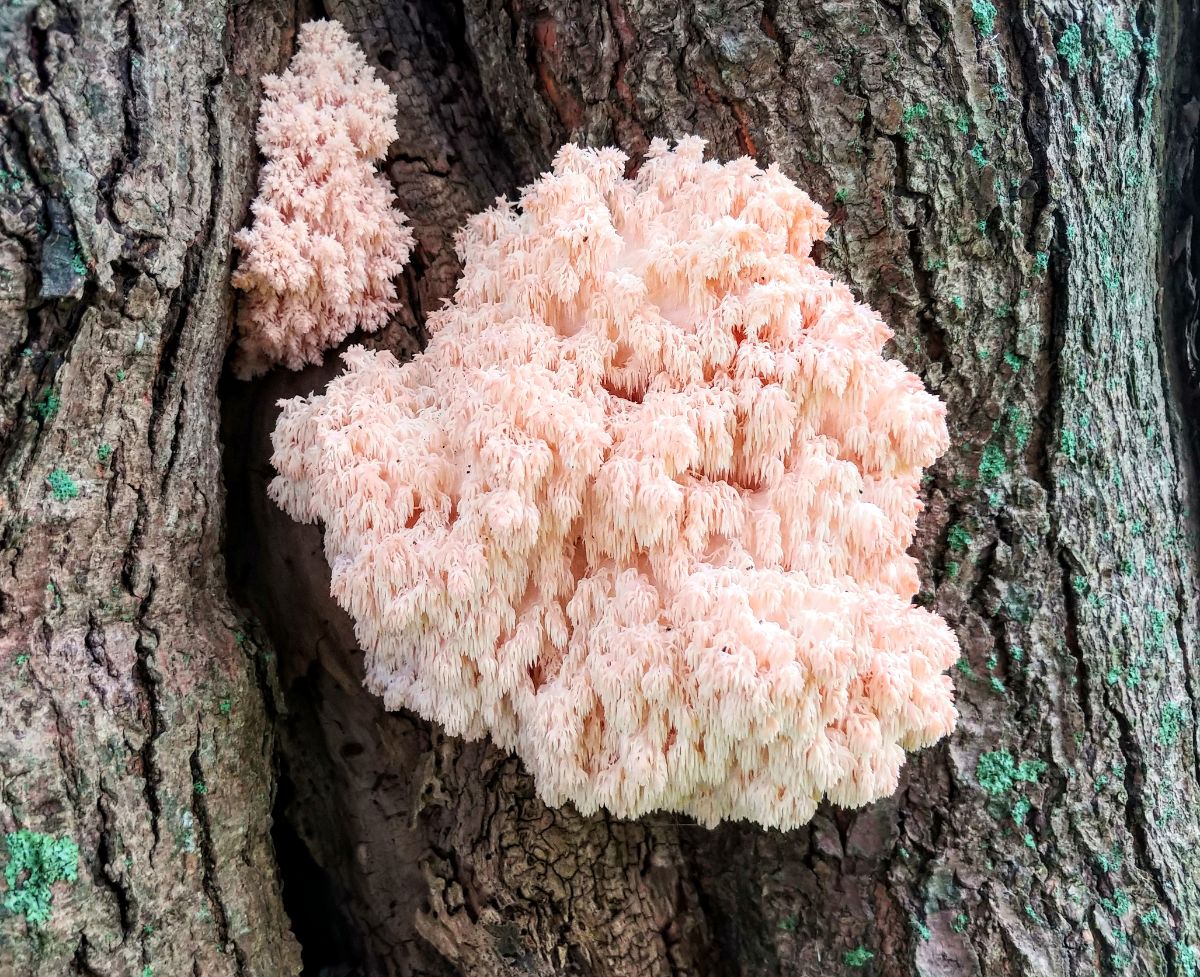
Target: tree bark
{"x":1015,"y":193}
{"x":136,"y":719}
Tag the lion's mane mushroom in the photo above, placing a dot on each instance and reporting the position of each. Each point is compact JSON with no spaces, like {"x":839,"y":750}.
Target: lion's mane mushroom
{"x":640,"y":511}
{"x":326,"y":240}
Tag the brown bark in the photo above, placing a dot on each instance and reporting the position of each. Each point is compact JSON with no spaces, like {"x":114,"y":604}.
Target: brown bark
{"x":1029,"y":234}
{"x":135,"y":719}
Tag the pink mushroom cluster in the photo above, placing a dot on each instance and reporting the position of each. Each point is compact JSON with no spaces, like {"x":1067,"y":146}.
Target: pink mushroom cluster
{"x":326,"y":242}
{"x":640,"y":510}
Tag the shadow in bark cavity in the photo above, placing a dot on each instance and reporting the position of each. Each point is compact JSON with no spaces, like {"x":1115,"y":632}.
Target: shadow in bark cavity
{"x":329,"y":946}
{"x":348,"y":845}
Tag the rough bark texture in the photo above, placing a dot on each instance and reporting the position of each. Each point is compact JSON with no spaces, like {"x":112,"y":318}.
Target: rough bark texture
{"x":135,"y":718}
{"x":1017,"y":199}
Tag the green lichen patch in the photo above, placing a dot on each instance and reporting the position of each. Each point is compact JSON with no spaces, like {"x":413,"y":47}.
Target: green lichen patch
{"x":1186,"y":956}
{"x":1170,"y":724}
{"x":1110,"y":861}
{"x":1018,"y":426}
{"x":35,"y":863}
{"x":992,"y":463}
{"x":958,"y":538}
{"x":997,"y":772}
{"x":1070,"y":47}
{"x":62,"y":486}
{"x":1121,"y":41}
{"x":1069,"y":444}
{"x":917,"y":112}
{"x":48,"y":404}
{"x":857,"y":957}
{"x":1119,"y":904}
{"x":984,"y":14}
{"x":1158,"y":617}
{"x":10,"y":182}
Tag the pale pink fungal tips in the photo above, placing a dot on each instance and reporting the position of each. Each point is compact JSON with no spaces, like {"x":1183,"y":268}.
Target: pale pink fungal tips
{"x":326,"y":241}
{"x":641,"y":509}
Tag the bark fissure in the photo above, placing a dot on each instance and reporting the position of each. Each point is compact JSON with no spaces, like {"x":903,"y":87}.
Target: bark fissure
{"x":149,"y":679}
{"x":209,"y":858}
{"x":1179,"y":318}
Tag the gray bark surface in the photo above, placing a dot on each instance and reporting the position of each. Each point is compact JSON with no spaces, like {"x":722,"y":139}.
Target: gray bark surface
{"x":134,"y":716}
{"x":1017,"y":200}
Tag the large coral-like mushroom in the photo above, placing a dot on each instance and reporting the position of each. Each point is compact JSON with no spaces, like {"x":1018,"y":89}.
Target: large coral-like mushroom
{"x":326,"y":241}
{"x":640,"y":510}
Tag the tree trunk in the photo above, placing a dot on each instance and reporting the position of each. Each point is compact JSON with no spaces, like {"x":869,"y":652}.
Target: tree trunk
{"x":136,"y":719}
{"x":1015,"y":193}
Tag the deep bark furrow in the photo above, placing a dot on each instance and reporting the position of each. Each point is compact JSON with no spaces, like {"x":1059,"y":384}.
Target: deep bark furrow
{"x":1179,"y":315}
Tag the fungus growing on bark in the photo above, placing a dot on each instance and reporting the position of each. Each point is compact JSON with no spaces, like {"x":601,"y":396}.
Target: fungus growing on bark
{"x":326,"y":241}
{"x":640,"y":510}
